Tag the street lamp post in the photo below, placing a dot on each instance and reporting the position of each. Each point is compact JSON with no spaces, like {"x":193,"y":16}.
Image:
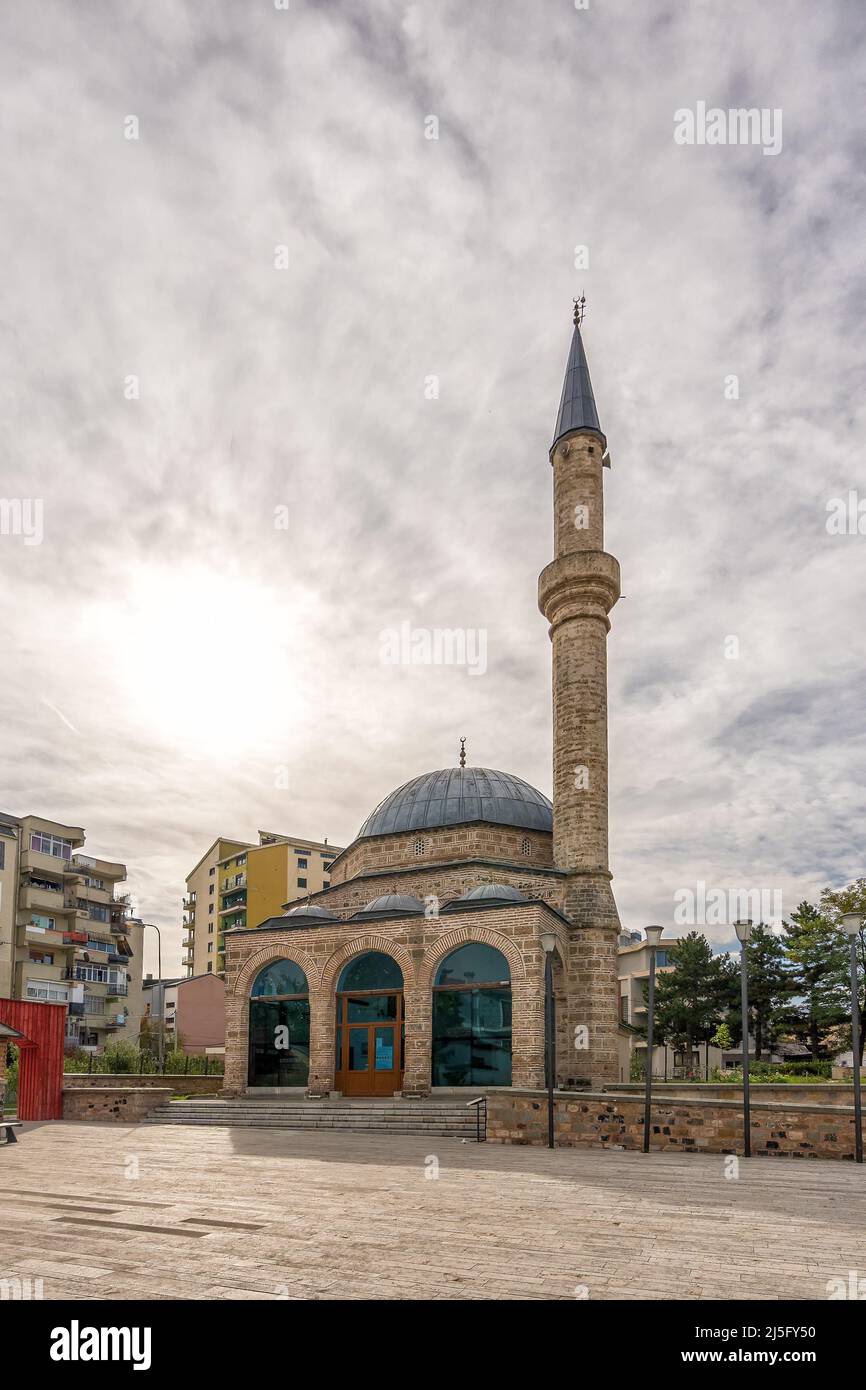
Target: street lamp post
{"x":653,"y":936}
{"x":161,"y":990}
{"x":852,"y":922}
{"x":548,"y":941}
{"x":744,"y":931}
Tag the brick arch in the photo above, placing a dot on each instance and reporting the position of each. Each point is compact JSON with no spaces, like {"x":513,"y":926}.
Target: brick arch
{"x":357,"y":947}
{"x":251,"y":967}
{"x":458,"y":936}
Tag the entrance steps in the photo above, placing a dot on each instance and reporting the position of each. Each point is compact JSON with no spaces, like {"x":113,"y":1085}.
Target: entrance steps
{"x":444,"y":1118}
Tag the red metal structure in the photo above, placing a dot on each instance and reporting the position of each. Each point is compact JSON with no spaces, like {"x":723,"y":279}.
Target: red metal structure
{"x":40,"y":1067}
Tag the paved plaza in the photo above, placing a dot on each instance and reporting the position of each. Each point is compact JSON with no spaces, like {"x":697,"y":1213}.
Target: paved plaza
{"x":105,"y":1212}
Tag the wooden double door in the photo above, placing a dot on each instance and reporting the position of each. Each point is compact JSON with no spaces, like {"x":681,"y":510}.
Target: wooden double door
{"x":369,"y":1043}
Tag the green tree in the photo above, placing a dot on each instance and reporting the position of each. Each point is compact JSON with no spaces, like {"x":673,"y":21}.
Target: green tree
{"x":691,"y":1000}
{"x":817,"y":955}
{"x":722,"y":1038}
{"x":770,"y":985}
{"x":833,"y":902}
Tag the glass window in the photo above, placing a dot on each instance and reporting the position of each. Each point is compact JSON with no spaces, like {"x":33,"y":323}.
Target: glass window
{"x":374,"y":970}
{"x":368,"y":1007}
{"x":302,"y":883}
{"x":473,"y":964}
{"x":302,"y":863}
{"x":279,"y":1042}
{"x":38,"y":919}
{"x":280,"y":977}
{"x":472,"y":1037}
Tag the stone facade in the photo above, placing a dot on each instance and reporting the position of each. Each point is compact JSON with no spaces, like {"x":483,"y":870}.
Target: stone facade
{"x":418,"y":944}
{"x":597,"y":1120}
{"x":576,"y":593}
{"x":422,"y":849}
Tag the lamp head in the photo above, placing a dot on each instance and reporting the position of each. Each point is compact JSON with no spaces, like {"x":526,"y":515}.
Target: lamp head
{"x":851,"y":923}
{"x":548,"y":941}
{"x":743,"y":929}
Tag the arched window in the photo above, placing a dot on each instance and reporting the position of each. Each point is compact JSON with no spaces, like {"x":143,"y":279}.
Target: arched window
{"x":374,"y":970}
{"x":279,"y":1026}
{"x":472,"y":1018}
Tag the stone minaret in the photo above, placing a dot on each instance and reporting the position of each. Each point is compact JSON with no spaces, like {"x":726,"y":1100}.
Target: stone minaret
{"x":576,"y":592}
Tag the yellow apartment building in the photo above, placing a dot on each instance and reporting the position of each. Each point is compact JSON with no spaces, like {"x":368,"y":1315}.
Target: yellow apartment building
{"x":238,"y":883}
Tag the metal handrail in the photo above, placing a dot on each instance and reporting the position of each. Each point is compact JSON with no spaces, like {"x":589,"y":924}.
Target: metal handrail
{"x":481,"y":1101}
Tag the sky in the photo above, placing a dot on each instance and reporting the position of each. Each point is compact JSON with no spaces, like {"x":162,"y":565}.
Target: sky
{"x":285,"y":313}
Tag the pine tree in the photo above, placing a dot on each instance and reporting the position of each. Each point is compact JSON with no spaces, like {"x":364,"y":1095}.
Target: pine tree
{"x":691,"y":1000}
{"x":770,"y":985}
{"x":835,"y":901}
{"x":817,"y":955}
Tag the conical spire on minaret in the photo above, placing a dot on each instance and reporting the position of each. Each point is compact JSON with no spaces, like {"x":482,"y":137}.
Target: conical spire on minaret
{"x":577,"y":409}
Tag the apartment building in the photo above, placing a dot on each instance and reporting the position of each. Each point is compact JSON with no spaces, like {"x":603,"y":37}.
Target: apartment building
{"x":239,"y":884}
{"x":65,"y":934}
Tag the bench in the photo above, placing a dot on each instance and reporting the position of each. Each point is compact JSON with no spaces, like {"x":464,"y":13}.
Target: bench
{"x":10,"y":1126}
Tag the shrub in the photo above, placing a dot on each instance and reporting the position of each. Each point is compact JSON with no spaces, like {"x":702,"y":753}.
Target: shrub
{"x":119,"y":1056}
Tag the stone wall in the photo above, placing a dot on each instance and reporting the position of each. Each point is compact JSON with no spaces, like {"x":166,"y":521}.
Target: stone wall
{"x":598,"y":1120}
{"x":179,"y":1085}
{"x":112,"y":1104}
{"x":446,"y":881}
{"x":443,"y":844}
{"x":809,"y":1093}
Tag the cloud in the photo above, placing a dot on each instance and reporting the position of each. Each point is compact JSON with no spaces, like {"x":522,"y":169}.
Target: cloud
{"x":193,"y":647}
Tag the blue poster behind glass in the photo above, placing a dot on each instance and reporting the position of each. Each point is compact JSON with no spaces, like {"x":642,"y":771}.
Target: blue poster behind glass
{"x":384,"y":1050}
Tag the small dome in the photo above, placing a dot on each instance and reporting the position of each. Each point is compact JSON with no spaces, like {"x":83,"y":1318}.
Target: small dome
{"x":307,"y":912}
{"x":488,"y":893}
{"x":395,"y":905}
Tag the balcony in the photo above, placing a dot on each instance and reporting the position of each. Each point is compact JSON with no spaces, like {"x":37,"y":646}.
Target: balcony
{"x":76,"y":1008}
{"x":43,"y":936}
{"x":75,"y":938}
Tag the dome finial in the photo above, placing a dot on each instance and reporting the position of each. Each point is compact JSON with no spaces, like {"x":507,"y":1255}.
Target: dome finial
{"x":579,"y":309}
{"x":462,"y":752}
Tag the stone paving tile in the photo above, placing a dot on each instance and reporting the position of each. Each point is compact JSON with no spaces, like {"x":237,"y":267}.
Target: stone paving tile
{"x":353,"y":1216}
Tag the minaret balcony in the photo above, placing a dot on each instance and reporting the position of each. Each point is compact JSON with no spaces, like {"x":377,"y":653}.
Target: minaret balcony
{"x":583,"y":584}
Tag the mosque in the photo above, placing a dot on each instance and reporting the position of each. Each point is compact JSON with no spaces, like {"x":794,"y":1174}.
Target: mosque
{"x":422,"y":965}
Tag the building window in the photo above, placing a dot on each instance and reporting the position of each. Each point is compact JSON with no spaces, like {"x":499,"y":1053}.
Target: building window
{"x":210,"y":948}
{"x":47,"y":992}
{"x":211,"y":872}
{"x":210,"y":889}
{"x":210,"y":967}
{"x":472,"y":1018}
{"x":302,"y":883}
{"x":623,"y":1007}
{"x":419,"y":846}
{"x":302,"y":863}
{"x":526,"y":845}
{"x":279,"y":1052}
{"x":326,"y":883}
{"x":210,"y":909}
{"x":210,"y":926}
{"x":50,"y":844}
{"x":37,"y":919}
